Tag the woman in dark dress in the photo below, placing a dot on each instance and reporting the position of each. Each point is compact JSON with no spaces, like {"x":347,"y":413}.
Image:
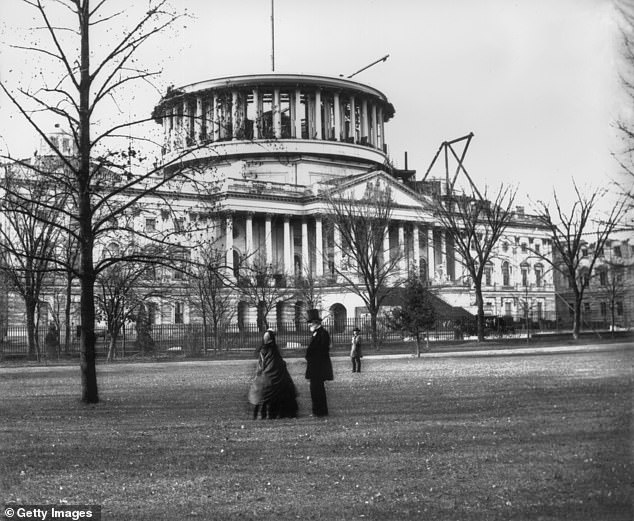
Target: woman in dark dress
{"x":272,"y":392}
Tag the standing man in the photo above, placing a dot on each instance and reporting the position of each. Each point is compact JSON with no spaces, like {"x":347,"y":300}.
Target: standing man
{"x":318,"y":364}
{"x":355,"y":350}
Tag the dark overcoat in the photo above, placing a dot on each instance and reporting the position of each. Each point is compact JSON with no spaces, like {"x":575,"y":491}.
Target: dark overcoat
{"x":318,"y":363}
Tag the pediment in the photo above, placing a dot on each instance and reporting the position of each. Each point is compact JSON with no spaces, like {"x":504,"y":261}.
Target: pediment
{"x":373,"y":186}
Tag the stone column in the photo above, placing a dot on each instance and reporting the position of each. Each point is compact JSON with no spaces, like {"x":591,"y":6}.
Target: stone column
{"x":305,"y":256}
{"x":288,"y":259}
{"x":249,"y":236}
{"x":186,"y":124}
{"x":353,"y":120}
{"x":319,"y":245}
{"x":318,"y":122}
{"x":171,"y":116}
{"x":364,"y":120}
{"x":386,"y":246}
{"x":298,"y":114}
{"x":277,"y":116}
{"x":337,"y":246}
{"x":268,"y":240}
{"x":416,"y":246}
{"x":380,"y":140}
{"x":258,"y":114}
{"x":216,"y":117}
{"x":309,"y":101}
{"x":337,"y":116}
{"x":229,"y":243}
{"x":431,"y":255}
{"x":209,"y":119}
{"x":373,"y":126}
{"x":235,"y":115}
{"x":198,"y":120}
{"x":166,"y":128}
{"x":327,"y":118}
{"x":401,"y":247}
{"x":443,"y":253}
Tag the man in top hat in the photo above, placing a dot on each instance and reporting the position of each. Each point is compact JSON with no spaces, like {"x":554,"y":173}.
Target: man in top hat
{"x":318,"y":363}
{"x":355,"y":350}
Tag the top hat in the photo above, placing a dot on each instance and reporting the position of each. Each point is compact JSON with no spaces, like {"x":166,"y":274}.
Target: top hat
{"x":313,"y":316}
{"x":356,"y":330}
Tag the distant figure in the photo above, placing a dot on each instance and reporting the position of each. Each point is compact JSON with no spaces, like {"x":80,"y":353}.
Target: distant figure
{"x":51,"y":341}
{"x":318,"y":363}
{"x":355,"y":350}
{"x":272,"y":392}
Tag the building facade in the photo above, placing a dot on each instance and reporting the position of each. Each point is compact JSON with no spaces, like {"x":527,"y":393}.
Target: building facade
{"x":609,"y":294}
{"x":259,"y":152}
{"x":273,"y":143}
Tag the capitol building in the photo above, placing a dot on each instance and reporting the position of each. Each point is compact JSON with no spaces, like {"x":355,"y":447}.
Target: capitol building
{"x":254,"y":163}
{"x":272,"y":144}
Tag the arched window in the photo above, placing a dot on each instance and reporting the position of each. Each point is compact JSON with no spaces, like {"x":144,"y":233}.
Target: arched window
{"x":339,"y":316}
{"x":506,"y":274}
{"x":300,"y":315}
{"x":422,"y":270}
{"x":236,"y":264}
{"x":242,"y":313}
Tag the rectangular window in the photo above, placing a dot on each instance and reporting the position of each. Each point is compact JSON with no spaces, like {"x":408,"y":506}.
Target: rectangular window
{"x":487,"y":276}
{"x":539,"y":277}
{"x":524,"y":277}
{"x":524,"y":247}
{"x":150,"y":225}
{"x":537,"y":248}
{"x":603,"y":278}
{"x":617,"y":251}
{"x":178,"y":313}
{"x":604,"y":309}
{"x":619,"y":308}
{"x":507,"y":308}
{"x":586,"y":307}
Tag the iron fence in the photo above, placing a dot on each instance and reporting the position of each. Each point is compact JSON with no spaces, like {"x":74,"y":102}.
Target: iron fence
{"x":195,"y":340}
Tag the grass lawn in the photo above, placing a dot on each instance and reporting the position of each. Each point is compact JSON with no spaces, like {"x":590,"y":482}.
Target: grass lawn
{"x":542,"y":437}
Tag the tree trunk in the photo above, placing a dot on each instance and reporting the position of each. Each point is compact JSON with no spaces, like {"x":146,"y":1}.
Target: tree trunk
{"x":417,"y":345}
{"x":112,"y":347}
{"x":67,"y":330}
{"x":204,"y":329}
{"x":480,"y":314}
{"x":32,"y":352}
{"x":576,"y":320}
{"x":373,"y":329}
{"x":86,"y":233}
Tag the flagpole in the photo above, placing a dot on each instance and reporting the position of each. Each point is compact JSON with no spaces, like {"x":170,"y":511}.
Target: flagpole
{"x":272,"y":36}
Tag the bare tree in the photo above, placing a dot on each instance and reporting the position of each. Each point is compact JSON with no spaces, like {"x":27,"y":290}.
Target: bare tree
{"x":121,"y":290}
{"x":29,"y":239}
{"x":612,"y":284}
{"x":211,"y":293}
{"x":476,"y":223}
{"x":262,"y":286}
{"x":310,"y":288}
{"x":416,"y":315}
{"x":571,"y":232}
{"x":93,"y":49}
{"x":362,"y":225}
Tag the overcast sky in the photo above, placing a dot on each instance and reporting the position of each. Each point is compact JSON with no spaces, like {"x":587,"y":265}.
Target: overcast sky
{"x":535,"y":80}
